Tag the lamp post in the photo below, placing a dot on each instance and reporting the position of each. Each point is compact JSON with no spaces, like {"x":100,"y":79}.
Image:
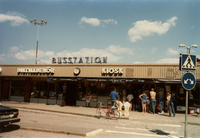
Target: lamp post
{"x":186,"y":101}
{"x":188,"y":47}
{"x":37,"y":23}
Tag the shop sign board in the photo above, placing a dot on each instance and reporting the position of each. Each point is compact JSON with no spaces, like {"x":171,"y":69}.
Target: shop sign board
{"x":112,"y":71}
{"x":47,"y":70}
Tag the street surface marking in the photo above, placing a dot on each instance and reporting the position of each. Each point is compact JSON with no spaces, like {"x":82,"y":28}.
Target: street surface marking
{"x":124,"y":124}
{"x":140,"y":134}
{"x":135,"y":122}
{"x":94,"y":132}
{"x":132,"y":128}
{"x":168,"y":125}
{"x":143,"y":129}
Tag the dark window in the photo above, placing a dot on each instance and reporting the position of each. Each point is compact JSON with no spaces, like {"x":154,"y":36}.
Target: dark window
{"x":43,"y":89}
{"x":35,"y":89}
{"x":18,"y":88}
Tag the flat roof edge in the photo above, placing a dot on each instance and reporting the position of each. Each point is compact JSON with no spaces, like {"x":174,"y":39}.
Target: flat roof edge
{"x":89,"y":65}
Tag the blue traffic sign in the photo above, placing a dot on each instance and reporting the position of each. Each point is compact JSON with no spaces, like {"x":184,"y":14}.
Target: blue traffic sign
{"x":188,"y":81}
{"x":188,"y":62}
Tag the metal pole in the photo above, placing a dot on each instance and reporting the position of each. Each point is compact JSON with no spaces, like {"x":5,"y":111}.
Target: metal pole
{"x":186,"y":113}
{"x":188,"y":50}
{"x":37,"y":44}
{"x":186,"y":103}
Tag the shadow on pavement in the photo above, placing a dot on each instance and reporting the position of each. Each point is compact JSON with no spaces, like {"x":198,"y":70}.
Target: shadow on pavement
{"x":9,"y":128}
{"x":164,"y":114}
{"x":159,"y":132}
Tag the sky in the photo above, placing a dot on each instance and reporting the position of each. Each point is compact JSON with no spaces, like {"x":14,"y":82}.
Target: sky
{"x":124,"y":31}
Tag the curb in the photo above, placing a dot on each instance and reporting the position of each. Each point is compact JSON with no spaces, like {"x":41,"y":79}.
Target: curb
{"x":107,"y":117}
{"x":65,"y":132}
{"x":52,"y":131}
{"x":64,"y":112}
{"x":54,"y":111}
{"x":94,"y":132}
{"x":192,"y":123}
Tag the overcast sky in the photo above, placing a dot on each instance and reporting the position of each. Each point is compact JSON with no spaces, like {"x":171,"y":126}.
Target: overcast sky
{"x":124,"y":31}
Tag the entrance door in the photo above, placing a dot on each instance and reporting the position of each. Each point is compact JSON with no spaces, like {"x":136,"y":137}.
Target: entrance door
{"x":5,"y":90}
{"x":27,"y":93}
{"x":70,"y":95}
{"x":180,"y":98}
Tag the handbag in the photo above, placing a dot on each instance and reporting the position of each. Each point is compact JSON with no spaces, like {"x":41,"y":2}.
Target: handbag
{"x":158,"y":108}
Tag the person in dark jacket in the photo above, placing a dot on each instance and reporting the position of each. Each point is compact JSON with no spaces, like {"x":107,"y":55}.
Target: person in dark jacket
{"x":114,"y":97}
{"x":160,"y":100}
{"x":171,"y":100}
{"x":135,"y":100}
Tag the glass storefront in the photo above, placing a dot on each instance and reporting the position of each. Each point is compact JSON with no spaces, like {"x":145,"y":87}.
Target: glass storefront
{"x":18,"y":88}
{"x":44,"y":92}
{"x":52,"y":90}
{"x":35,"y":89}
{"x":87,"y":92}
{"x":14,"y":88}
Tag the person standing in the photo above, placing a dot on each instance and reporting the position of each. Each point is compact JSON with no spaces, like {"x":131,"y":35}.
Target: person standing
{"x":148,"y":105}
{"x":153,"y":99}
{"x":135,"y":96}
{"x":170,"y":101}
{"x":160,"y":100}
{"x":130,"y":98}
{"x":143,"y":98}
{"x":114,"y":97}
{"x":124,"y":95}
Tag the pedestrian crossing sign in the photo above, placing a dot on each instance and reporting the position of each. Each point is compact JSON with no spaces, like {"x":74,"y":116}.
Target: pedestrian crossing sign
{"x":188,"y":62}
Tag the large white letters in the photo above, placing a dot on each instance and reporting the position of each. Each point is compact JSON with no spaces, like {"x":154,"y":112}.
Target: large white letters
{"x":79,"y":60}
{"x":36,"y":70}
{"x":112,"y":71}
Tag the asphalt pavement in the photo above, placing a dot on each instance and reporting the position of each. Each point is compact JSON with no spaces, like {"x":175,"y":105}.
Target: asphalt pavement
{"x":91,"y":112}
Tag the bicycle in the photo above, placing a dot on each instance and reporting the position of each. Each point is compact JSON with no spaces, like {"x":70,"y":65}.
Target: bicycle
{"x":109,"y":111}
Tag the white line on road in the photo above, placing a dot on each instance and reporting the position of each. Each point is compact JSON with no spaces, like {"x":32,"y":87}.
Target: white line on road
{"x":140,"y":134}
{"x":170,"y":125}
{"x":132,"y":128}
{"x":136,"y":122}
{"x":143,"y":129}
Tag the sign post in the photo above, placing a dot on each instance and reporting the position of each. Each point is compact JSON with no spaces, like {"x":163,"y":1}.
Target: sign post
{"x":188,"y":82}
{"x":188,"y":63}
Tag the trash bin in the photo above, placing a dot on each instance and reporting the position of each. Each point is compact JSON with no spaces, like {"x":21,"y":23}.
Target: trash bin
{"x":197,"y":110}
{"x":192,"y":111}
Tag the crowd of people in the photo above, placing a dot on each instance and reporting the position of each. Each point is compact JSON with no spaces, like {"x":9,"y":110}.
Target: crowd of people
{"x":146,"y":101}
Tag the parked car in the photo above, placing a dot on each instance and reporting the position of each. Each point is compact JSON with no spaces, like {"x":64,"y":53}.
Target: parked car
{"x":8,"y":115}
